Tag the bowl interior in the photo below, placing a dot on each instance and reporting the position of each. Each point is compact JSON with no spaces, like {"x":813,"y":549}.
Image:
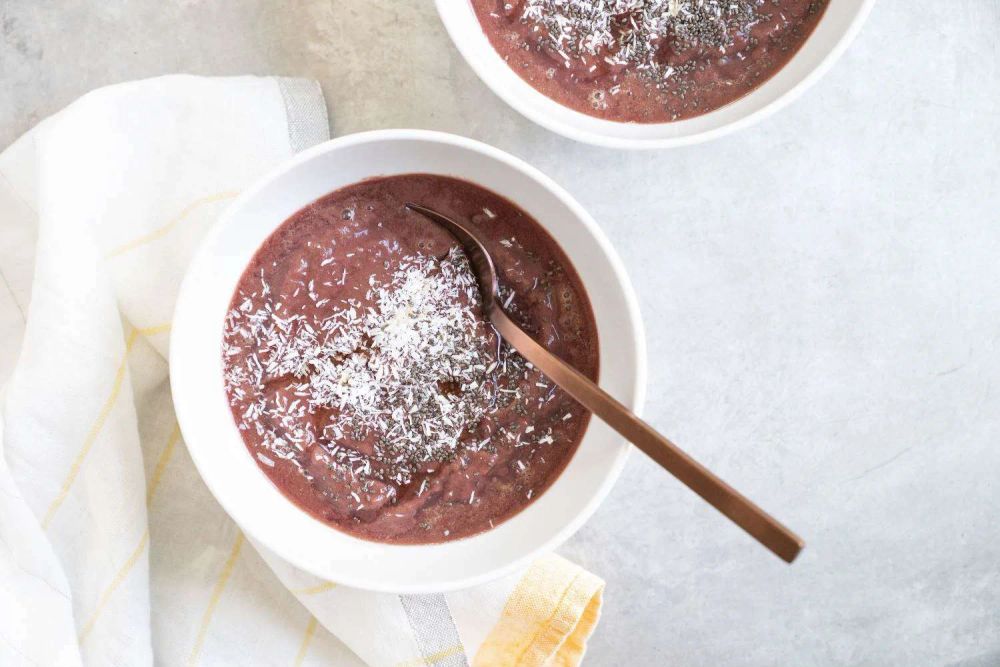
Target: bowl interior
{"x":839,"y":24}
{"x":246,"y":493}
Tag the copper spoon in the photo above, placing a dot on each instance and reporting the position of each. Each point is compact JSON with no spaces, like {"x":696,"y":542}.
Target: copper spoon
{"x":764,"y":528}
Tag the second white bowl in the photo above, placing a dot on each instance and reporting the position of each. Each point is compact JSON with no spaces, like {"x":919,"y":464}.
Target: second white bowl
{"x":840,"y":23}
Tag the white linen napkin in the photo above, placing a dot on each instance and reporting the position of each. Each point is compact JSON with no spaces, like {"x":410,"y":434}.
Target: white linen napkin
{"x":112,"y":551}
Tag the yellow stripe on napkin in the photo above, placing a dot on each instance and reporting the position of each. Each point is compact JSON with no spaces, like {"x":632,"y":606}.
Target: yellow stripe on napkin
{"x":547,"y":619}
{"x":213,"y":601}
{"x":163,"y":230}
{"x":95,"y":430}
{"x":306,"y":640}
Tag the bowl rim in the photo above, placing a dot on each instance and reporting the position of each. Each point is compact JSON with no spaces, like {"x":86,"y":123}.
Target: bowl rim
{"x":184,"y":407}
{"x":447,"y":12}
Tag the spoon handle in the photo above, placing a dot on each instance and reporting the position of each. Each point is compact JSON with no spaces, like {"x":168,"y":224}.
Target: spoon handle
{"x":744,"y":513}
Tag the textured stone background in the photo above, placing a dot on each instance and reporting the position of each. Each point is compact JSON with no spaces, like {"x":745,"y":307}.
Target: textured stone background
{"x":820,"y":294}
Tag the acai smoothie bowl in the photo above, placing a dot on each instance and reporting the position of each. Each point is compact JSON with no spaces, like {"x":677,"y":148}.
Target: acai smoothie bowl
{"x":345,"y":400}
{"x":650,"y":73}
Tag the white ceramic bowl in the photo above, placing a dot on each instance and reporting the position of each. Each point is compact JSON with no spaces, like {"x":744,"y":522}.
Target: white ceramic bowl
{"x":841,"y":22}
{"x":232,"y":474}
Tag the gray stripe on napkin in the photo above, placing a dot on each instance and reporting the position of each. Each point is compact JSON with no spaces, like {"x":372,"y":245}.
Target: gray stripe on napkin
{"x":305,"y":109}
{"x":434,"y":629}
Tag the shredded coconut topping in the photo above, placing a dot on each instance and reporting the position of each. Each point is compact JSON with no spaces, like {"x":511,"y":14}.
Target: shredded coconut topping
{"x":412,"y":369}
{"x":631,"y":32}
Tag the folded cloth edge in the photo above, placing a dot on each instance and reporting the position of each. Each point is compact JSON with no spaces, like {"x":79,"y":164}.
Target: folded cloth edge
{"x":548,"y":618}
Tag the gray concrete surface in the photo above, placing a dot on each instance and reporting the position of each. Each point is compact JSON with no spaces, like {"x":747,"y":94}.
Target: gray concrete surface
{"x":820,"y":294}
